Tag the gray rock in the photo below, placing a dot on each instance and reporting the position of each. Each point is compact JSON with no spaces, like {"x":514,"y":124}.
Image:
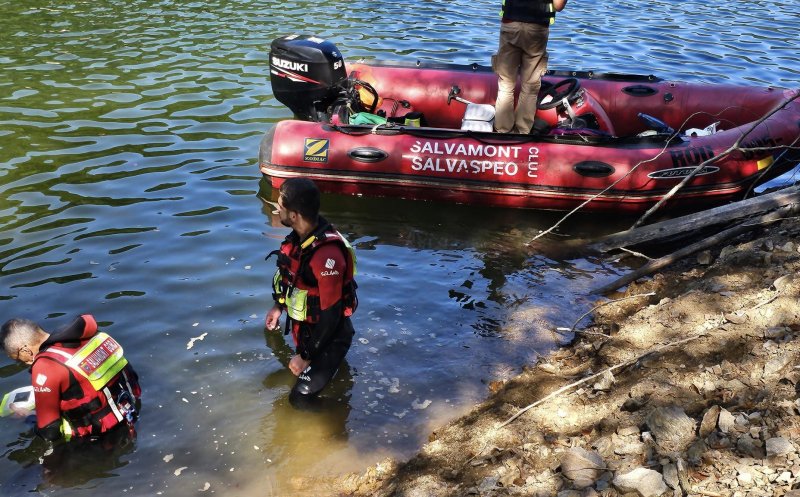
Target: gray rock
{"x":672,"y":428}
{"x":726,"y":421}
{"x":605,"y":382}
{"x":488,"y":483}
{"x":749,"y":447}
{"x":776,"y":364}
{"x":695,"y":452}
{"x":735,"y":317}
{"x":643,"y":481}
{"x":581,"y":467}
{"x":670,"y":472}
{"x":775,"y":332}
{"x":626,"y":431}
{"x":624,"y":448}
{"x":743,"y":421}
{"x":605,"y":446}
{"x":727,"y":251}
{"x":779,"y":446}
{"x":709,"y":422}
{"x":718,"y":441}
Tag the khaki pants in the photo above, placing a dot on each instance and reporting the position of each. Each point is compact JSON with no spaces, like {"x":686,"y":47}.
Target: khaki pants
{"x":523,"y":51}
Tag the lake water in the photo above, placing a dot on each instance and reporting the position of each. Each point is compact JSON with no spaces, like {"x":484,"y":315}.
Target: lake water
{"x":130,"y":190}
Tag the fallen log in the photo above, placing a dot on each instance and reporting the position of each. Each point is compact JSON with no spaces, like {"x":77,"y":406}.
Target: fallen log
{"x":687,"y":225}
{"x":662,"y":262}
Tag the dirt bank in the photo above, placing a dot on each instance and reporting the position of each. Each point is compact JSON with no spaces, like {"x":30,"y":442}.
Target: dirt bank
{"x":688,"y":391}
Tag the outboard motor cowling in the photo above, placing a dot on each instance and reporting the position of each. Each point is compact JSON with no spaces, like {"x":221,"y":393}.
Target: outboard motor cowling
{"x":307,"y":73}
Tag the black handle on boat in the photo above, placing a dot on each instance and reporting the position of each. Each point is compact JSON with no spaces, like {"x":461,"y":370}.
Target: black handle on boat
{"x":454,"y":92}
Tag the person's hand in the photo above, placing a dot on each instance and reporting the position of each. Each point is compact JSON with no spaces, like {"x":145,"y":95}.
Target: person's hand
{"x":271,"y":322}
{"x":297,"y":364}
{"x":19,"y":411}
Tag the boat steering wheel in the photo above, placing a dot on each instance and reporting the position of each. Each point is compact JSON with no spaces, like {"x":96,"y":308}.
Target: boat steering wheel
{"x":567,"y":88}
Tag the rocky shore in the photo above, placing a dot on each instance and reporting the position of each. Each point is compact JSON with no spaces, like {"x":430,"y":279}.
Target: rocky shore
{"x":686,"y":384}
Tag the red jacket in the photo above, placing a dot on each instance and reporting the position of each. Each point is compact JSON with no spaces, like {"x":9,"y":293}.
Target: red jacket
{"x":63,"y":392}
{"x":322,"y":267}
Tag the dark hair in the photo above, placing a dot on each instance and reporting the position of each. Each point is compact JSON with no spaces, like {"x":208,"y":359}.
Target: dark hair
{"x":301,"y":195}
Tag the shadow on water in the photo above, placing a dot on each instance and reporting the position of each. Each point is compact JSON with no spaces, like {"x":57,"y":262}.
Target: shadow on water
{"x":46,"y":468}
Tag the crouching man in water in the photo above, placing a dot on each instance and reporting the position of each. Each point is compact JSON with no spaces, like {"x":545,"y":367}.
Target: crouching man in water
{"x":314,"y":284}
{"x":83,"y":386}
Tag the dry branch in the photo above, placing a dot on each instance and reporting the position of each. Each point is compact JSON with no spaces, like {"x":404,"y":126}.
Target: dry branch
{"x":662,"y":262}
{"x":597,"y":375}
{"x":590,"y":311}
{"x":736,"y":146}
{"x":690,"y":224}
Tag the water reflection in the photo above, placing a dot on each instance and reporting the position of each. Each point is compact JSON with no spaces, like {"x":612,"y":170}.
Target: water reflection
{"x":477,"y":257}
{"x":46,"y":467}
{"x":294,"y":434}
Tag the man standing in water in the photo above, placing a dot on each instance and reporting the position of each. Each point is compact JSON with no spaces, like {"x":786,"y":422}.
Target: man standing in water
{"x":314,"y":284}
{"x":524,"y":31}
{"x":82,"y":384}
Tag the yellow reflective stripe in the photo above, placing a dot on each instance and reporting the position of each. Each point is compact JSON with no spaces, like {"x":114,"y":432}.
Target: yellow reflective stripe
{"x":551,"y":8}
{"x":5,"y":410}
{"x":764,"y":163}
{"x":309,"y":241}
{"x":66,"y":429}
{"x":352,"y":252}
{"x":297,"y":304}
{"x":99,"y":360}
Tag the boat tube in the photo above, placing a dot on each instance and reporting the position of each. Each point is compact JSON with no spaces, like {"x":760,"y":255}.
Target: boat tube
{"x":424,"y":131}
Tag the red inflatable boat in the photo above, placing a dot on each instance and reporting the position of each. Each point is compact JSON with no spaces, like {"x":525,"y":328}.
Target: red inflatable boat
{"x":425,"y":132}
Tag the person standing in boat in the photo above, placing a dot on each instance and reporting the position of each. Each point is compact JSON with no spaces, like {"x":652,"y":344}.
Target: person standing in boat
{"x":315,"y":285}
{"x":524,"y":31}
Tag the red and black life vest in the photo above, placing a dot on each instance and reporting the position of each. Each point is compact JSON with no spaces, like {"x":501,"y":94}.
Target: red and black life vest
{"x":294,"y":284}
{"x":103,"y":388}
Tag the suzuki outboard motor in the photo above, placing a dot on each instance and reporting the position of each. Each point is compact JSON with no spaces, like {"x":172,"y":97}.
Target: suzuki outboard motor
{"x":307,"y":74}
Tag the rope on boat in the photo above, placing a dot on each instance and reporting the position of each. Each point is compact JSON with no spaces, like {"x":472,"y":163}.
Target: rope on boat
{"x":391,"y":129}
{"x":736,"y":146}
{"x":672,"y":192}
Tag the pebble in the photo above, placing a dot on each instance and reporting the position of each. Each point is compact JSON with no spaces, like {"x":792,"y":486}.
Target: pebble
{"x":581,"y":467}
{"x":643,"y":481}
{"x":709,"y":422}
